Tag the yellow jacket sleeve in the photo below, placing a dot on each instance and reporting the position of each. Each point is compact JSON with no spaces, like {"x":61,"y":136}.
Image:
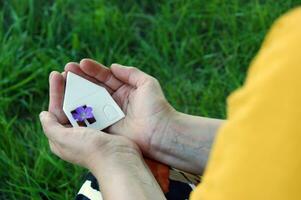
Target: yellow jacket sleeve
{"x":257,"y":153}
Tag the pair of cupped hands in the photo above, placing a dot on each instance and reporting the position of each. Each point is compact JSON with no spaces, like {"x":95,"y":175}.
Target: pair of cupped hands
{"x":147,"y":114}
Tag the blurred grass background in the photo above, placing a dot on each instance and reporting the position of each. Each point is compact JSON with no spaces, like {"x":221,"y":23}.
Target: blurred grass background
{"x":199,"y":50}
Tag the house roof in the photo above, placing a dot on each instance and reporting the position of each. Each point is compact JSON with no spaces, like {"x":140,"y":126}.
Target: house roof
{"x":78,"y":87}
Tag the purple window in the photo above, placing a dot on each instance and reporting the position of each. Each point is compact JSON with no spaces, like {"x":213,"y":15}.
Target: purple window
{"x":83,"y":115}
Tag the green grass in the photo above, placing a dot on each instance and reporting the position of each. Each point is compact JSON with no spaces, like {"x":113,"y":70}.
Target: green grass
{"x":199,"y":50}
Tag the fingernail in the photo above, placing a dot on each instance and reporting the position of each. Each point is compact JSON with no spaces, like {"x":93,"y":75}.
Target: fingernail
{"x":84,"y":59}
{"x":116,"y":65}
{"x":70,"y":64}
{"x":51,"y":74}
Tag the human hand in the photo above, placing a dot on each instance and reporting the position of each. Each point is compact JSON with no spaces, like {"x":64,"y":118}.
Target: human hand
{"x":115,"y":160}
{"x":138,"y":94}
{"x":84,"y":146}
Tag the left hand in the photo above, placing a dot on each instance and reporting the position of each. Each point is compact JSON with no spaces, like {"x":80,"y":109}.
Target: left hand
{"x":89,"y":148}
{"x":114,"y":160}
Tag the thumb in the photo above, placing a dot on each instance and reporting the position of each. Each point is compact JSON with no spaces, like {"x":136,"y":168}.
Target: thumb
{"x":130,"y":75}
{"x":51,"y":126}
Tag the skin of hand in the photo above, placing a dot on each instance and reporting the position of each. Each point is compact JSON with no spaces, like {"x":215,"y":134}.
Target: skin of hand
{"x":138,"y":94}
{"x":82,"y":146}
{"x":115,"y":160}
{"x":162,"y":133}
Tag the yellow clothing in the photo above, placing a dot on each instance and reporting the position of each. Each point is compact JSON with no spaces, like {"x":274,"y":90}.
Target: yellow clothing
{"x":257,"y":153}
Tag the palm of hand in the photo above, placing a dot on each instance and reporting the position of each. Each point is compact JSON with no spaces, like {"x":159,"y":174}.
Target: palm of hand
{"x":145,"y":108}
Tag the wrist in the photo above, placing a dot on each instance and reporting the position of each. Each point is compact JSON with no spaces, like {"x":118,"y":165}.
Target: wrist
{"x":163,"y":129}
{"x":117,"y":164}
{"x":129,"y":173}
{"x":160,"y":141}
{"x":185,"y":142}
{"x":116,"y":154}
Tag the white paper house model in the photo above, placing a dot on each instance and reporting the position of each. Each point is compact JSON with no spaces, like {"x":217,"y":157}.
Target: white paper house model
{"x":89,"y":105}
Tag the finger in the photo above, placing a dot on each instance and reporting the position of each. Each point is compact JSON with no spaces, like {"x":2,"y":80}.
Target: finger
{"x":74,"y":68}
{"x":56,"y":96}
{"x":52,"y":128}
{"x":64,"y":74}
{"x":130,"y":75}
{"x":121,"y":97}
{"x":54,"y":148}
{"x":100,"y":73}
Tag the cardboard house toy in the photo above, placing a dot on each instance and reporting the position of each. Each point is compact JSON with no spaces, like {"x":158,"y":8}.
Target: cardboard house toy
{"x":87,"y":104}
